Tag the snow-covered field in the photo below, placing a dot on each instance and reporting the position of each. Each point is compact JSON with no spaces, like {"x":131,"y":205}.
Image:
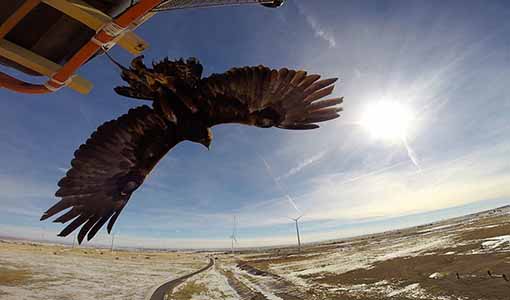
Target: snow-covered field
{"x":63,"y":273}
{"x":460,"y":259}
{"x":351,"y":257}
{"x":445,"y":260}
{"x":210,"y":284}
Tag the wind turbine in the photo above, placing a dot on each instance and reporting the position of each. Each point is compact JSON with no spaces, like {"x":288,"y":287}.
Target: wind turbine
{"x":233,"y":236}
{"x":113,"y":239}
{"x":74,"y":239}
{"x":43,"y":235}
{"x":297,"y":231}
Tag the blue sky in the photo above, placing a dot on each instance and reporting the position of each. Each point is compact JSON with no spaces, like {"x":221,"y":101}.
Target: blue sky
{"x":448,"y":61}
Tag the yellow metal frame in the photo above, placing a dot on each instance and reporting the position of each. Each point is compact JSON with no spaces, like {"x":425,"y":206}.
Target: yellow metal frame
{"x":40,"y":64}
{"x":16,"y":17}
{"x":95,"y":19}
{"x":78,"y":10}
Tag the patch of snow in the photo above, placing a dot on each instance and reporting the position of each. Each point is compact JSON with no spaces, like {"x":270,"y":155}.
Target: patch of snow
{"x":489,"y":226}
{"x":351,"y":258}
{"x":386,"y":290}
{"x":495,"y":242}
{"x":239,"y":276}
{"x":413,"y":250}
{"x":436,"y":275}
{"x":66,"y":274}
{"x":405,"y":290}
{"x":437,"y":228}
{"x":382,"y":282}
{"x":217,"y":284}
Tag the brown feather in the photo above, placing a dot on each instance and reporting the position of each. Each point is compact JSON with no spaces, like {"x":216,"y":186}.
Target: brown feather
{"x":74,"y":224}
{"x":298,"y":78}
{"x":109,"y":167}
{"x":85,"y":228}
{"x":319,"y":94}
{"x":98,"y":225}
{"x":73,"y":213}
{"x":321,"y":118}
{"x":58,"y":207}
{"x":262,"y":97}
{"x":324,"y":103}
{"x":320,"y":85}
{"x":309,"y":80}
{"x":113,"y":220}
{"x":297,"y":126}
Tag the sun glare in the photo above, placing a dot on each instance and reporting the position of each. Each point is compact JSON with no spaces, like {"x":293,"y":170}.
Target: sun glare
{"x":387,"y":120}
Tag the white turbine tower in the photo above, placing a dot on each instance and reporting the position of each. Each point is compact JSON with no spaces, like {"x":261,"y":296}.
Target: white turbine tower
{"x":74,"y":238}
{"x":297,"y":231}
{"x":233,"y":237}
{"x":113,"y":240}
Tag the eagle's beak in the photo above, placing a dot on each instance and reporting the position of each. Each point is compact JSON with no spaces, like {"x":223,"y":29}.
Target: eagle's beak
{"x":207,"y":145}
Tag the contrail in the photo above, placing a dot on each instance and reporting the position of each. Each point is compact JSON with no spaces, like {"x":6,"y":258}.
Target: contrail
{"x":279,"y":185}
{"x":411,"y":153}
{"x":375,"y":172}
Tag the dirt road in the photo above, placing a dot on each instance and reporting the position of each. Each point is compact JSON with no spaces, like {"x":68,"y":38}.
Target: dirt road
{"x":159,"y":293}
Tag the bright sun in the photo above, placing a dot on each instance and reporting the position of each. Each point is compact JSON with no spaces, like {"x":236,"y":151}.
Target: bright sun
{"x":387,"y":120}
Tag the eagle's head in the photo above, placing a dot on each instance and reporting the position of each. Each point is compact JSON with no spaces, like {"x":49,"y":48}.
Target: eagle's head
{"x":189,"y":71}
{"x":204,"y":137}
{"x":196,"y":131}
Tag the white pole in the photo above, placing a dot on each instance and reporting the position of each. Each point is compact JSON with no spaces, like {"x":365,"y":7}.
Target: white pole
{"x":233,"y":235}
{"x":113,"y":238}
{"x":298,"y":238}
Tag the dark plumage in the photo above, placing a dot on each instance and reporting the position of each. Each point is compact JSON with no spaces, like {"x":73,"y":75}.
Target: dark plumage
{"x":117,"y":158}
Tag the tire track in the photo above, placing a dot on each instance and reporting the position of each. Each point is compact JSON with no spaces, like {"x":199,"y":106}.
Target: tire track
{"x":245,"y":292}
{"x":278,"y":286}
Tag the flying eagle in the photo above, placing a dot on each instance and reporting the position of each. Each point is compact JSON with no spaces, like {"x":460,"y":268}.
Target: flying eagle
{"x":117,"y":158}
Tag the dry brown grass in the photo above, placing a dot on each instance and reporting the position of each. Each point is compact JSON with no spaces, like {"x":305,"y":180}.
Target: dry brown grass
{"x":241,"y":289}
{"x":264,"y":264}
{"x":84,"y":252}
{"x":468,"y":261}
{"x":189,"y":290}
{"x":484,"y":233}
{"x":417,"y":269}
{"x":11,"y":277}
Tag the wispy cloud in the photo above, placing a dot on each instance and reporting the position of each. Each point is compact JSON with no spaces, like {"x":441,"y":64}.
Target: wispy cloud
{"x":22,"y":196}
{"x":13,"y":187}
{"x":400,"y":190}
{"x":318,"y":29}
{"x":392,"y":191}
{"x":303,"y":164}
{"x":280,"y":186}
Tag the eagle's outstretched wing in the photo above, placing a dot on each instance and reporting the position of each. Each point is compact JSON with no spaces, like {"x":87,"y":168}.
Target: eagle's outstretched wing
{"x":108,"y":168}
{"x":263,"y":97}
